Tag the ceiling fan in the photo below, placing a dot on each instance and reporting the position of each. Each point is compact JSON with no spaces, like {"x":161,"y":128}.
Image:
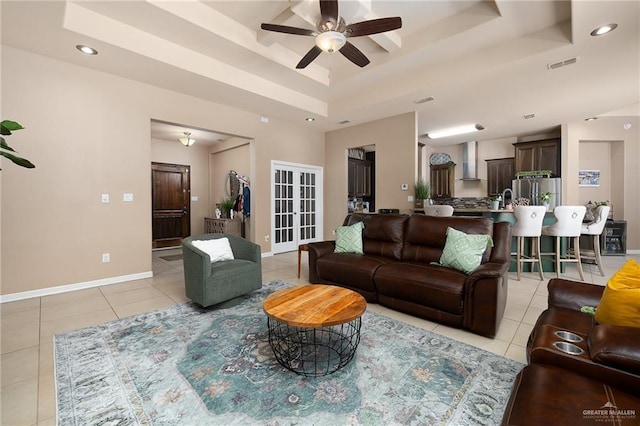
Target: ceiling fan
{"x":332,"y":33}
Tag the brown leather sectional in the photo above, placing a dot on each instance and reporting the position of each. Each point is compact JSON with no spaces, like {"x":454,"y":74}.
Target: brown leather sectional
{"x":397,"y":269}
{"x":598,"y":386}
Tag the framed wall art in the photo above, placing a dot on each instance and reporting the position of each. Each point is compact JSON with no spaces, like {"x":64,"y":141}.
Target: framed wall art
{"x":588,"y":177}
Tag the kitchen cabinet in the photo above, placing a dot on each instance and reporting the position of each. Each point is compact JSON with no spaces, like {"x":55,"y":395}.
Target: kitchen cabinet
{"x":442,"y":180}
{"x":538,"y":155}
{"x":500,"y":173}
{"x":359,"y":178}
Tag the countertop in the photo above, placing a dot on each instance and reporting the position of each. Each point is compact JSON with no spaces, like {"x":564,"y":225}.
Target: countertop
{"x":481,"y":210}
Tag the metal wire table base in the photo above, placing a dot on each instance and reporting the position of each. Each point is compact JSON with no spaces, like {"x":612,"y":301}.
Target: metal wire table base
{"x":314,"y":351}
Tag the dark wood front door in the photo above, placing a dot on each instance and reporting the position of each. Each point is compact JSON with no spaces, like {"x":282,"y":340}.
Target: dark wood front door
{"x":170,"y":199}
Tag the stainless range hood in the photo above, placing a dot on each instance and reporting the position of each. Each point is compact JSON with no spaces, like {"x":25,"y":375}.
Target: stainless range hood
{"x":470,"y":161}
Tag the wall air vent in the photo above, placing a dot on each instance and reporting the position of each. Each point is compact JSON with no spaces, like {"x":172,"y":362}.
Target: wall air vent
{"x":529,"y":116}
{"x":561,"y":64}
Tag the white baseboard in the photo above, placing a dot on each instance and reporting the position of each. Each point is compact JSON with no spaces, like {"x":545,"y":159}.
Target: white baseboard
{"x":73,"y":287}
{"x":633,"y":251}
{"x":267,"y":254}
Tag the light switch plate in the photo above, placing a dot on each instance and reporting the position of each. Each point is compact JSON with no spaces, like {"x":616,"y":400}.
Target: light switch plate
{"x":105,"y":198}
{"x":410,"y":198}
{"x":194,"y":198}
{"x":127,"y":197}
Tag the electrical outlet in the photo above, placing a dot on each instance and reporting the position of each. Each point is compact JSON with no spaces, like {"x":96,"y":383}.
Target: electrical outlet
{"x":105,"y":198}
{"x":106,"y":258}
{"x":127,"y":197}
{"x":266,"y":238}
{"x":410,"y":198}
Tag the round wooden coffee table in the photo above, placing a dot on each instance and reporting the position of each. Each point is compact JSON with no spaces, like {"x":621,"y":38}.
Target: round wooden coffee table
{"x":314,"y":330}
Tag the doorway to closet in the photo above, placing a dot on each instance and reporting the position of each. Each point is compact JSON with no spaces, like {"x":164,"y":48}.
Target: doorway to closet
{"x":296,"y":205}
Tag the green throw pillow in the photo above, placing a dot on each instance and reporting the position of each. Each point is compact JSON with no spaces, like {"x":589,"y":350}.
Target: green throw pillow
{"x":349,"y":238}
{"x":464,"y":251}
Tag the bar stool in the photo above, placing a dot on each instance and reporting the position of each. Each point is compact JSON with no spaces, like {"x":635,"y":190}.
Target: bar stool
{"x":595,"y":229}
{"x":528,"y":225}
{"x":438,"y":210}
{"x":568,"y":224}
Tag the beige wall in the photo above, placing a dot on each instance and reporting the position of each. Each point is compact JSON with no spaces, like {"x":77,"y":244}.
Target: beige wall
{"x":608,"y":134}
{"x":396,"y":141}
{"x":233,"y":154}
{"x":597,"y":156}
{"x":89,"y":133}
{"x":195,"y":156}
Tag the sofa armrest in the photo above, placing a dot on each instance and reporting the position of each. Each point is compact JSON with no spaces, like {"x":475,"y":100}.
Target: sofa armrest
{"x":196,"y":263}
{"x":573,"y":294}
{"x":245,"y":249}
{"x":616,"y":346}
{"x":316,"y":251}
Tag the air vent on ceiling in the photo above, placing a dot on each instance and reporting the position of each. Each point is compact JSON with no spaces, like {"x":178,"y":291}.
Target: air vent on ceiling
{"x":424,"y":100}
{"x":529,"y":116}
{"x":344,"y":122}
{"x":561,"y":64}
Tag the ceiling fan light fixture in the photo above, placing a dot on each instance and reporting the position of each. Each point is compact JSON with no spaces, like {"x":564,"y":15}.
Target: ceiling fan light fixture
{"x":187,"y":140}
{"x":453,"y":131}
{"x":330,"y":41}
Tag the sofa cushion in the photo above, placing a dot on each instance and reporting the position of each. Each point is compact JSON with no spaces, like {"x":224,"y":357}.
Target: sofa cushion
{"x":620,"y":303}
{"x":383,"y":235}
{"x":428,"y":285}
{"x":354,"y":270}
{"x":464,"y":251}
{"x":349,"y":238}
{"x":427,"y":235}
{"x":544,"y":394}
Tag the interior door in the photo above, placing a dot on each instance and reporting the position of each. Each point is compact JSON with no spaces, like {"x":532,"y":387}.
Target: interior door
{"x":171,"y":196}
{"x":296,"y":206}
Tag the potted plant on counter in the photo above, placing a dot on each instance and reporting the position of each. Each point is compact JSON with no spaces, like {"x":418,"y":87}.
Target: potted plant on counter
{"x":545,"y":198}
{"x":495,"y":202}
{"x":226,"y":205}
{"x":421,"y":194}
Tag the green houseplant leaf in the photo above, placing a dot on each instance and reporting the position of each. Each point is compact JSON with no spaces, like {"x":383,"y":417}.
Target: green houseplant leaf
{"x":6,"y":127}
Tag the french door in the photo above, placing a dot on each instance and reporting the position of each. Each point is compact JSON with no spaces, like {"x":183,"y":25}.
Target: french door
{"x":296,"y":205}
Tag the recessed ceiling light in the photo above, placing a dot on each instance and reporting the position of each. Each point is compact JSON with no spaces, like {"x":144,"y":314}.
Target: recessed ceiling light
{"x":87,"y":50}
{"x":603,"y":29}
{"x":591,"y":119}
{"x":452,"y":131}
{"x":310,"y":119}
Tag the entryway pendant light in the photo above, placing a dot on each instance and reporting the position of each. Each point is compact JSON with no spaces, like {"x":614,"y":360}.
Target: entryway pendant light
{"x":187,"y":140}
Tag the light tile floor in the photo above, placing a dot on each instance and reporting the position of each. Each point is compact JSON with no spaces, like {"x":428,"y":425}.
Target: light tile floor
{"x":27,"y":395}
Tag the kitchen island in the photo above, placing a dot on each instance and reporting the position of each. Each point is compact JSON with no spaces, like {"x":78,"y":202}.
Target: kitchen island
{"x":547,"y":243}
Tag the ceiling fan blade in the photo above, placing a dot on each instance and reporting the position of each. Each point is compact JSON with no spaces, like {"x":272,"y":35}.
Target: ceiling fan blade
{"x":287,"y":30}
{"x":373,"y":26}
{"x":309,"y":57}
{"x":329,"y":10}
{"x":354,"y":54}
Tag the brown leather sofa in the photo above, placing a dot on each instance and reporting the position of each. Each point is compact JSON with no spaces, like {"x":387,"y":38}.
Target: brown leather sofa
{"x":600,"y":385}
{"x":397,"y":269}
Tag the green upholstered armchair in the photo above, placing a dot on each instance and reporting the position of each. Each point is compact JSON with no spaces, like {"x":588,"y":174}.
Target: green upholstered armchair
{"x":209,"y":283}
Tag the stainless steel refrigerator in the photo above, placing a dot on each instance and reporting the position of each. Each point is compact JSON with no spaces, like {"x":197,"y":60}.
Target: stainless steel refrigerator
{"x":533,"y":188}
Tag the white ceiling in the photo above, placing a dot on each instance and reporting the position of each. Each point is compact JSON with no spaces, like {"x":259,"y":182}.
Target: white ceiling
{"x":483,"y":62}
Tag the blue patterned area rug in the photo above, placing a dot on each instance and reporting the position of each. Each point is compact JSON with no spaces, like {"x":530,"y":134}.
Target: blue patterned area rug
{"x":191,"y":366}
